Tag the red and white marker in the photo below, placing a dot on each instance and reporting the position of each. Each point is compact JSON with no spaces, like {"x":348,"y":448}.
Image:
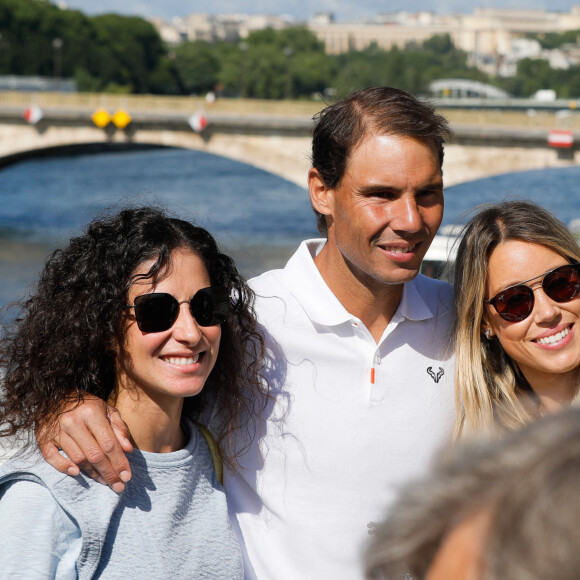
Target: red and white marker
{"x":198,"y":122}
{"x":33,"y":114}
{"x":560,"y":138}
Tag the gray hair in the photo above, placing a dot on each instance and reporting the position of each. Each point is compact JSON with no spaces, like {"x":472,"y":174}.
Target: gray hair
{"x":527,"y":483}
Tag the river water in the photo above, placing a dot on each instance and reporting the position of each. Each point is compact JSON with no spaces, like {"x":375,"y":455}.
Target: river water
{"x":257,"y":217}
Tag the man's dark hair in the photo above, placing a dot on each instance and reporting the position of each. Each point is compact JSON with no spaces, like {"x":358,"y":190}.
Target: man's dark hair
{"x":341,"y":126}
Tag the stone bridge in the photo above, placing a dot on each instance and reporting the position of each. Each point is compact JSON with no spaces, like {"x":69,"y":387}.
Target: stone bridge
{"x":274,"y":142}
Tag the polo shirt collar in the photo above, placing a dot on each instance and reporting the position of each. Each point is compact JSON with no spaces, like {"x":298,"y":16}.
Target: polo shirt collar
{"x":303,"y":279}
{"x":412,"y":306}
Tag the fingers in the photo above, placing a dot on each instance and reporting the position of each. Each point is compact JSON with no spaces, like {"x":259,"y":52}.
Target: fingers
{"x":77,"y":456}
{"x":120,"y":429}
{"x":84,"y":432}
{"x":89,"y":440}
{"x":51,"y":454}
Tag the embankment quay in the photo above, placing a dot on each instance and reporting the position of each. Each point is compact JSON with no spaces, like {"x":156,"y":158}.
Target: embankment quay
{"x":490,"y":137}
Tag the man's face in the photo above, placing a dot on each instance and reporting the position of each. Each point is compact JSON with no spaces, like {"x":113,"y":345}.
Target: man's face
{"x":387,"y":208}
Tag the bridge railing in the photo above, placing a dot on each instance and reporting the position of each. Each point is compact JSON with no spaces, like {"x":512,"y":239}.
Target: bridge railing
{"x":524,"y":118}
{"x":93,"y":101}
{"x":483,"y":113}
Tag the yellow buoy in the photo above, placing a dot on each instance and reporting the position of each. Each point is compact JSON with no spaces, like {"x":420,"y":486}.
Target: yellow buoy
{"x":101,"y":118}
{"x":121,"y":119}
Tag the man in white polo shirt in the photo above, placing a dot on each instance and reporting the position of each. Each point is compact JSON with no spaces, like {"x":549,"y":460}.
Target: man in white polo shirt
{"x":359,"y":357}
{"x":361,"y":364}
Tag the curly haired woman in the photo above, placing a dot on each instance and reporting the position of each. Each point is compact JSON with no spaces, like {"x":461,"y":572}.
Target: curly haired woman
{"x":145,"y":312}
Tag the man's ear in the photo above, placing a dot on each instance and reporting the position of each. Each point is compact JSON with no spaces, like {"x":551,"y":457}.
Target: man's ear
{"x":321,"y":196}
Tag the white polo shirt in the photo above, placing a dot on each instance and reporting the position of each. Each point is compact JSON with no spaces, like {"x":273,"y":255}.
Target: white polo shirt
{"x":351,"y":421}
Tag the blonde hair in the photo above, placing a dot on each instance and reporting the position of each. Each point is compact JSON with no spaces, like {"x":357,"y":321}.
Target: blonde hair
{"x":491,"y":392}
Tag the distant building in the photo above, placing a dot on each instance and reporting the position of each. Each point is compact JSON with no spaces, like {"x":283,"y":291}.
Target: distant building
{"x":214,"y":27}
{"x":385,"y":31}
{"x":169,"y":32}
{"x":488,"y":31}
{"x":322,"y":18}
{"x":44,"y":84}
{"x":494,"y":38}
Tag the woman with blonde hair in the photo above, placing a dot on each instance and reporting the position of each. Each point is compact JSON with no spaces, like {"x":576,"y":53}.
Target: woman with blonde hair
{"x":517,"y":284}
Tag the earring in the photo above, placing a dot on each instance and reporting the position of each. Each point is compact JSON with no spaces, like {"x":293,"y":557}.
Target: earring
{"x":487,"y":333}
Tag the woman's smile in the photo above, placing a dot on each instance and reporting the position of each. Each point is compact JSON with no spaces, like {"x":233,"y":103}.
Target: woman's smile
{"x":556,"y":339}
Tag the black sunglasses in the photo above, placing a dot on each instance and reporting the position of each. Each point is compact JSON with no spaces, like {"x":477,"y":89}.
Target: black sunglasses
{"x":158,"y":311}
{"x":516,"y":303}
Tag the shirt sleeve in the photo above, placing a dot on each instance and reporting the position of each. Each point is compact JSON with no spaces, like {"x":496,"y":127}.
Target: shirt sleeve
{"x":38,"y":539}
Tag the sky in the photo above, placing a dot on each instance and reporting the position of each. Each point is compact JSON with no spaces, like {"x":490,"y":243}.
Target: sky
{"x":302,"y":9}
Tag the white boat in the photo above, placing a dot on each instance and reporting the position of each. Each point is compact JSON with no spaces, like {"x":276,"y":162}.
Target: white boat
{"x":439,"y":259}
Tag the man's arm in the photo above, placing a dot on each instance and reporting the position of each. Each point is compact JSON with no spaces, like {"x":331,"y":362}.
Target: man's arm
{"x":94,"y":437}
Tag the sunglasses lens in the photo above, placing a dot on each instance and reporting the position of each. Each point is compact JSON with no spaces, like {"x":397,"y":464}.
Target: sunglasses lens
{"x":155,"y":312}
{"x":210,"y":306}
{"x":514,"y":304}
{"x":563,"y":284}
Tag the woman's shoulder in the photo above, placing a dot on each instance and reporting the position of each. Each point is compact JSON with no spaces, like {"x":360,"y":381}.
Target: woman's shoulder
{"x":70,"y":493}
{"x":24,"y":495}
{"x":33,"y":523}
{"x":26,"y":500}
{"x":28,"y":464}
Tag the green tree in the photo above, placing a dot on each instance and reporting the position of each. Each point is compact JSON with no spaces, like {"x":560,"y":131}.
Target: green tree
{"x":411,"y":68}
{"x":552,"y":40}
{"x":532,"y":75}
{"x":311,"y":73}
{"x":38,"y":38}
{"x":198,"y":66}
{"x":132,"y":48}
{"x":440,"y":44}
{"x":276,"y":64}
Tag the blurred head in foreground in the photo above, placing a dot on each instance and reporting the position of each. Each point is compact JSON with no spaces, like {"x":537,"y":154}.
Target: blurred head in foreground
{"x":505,"y":510}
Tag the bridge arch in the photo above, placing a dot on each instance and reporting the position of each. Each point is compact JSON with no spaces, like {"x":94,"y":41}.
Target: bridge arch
{"x":282,"y":149}
{"x":285,"y":156}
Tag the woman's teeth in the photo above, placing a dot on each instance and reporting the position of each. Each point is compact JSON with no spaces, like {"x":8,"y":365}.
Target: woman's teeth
{"x":555,"y":337}
{"x":181,"y":360}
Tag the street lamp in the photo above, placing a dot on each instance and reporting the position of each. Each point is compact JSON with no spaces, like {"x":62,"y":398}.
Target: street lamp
{"x":288,"y":52}
{"x":243,"y":46}
{"x":57,"y":44}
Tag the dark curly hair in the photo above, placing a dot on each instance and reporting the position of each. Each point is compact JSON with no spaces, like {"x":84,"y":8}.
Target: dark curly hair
{"x":60,"y":348}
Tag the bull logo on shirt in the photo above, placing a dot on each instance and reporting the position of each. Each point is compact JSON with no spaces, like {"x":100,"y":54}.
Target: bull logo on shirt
{"x":435,"y":377}
{"x":372,"y":528}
